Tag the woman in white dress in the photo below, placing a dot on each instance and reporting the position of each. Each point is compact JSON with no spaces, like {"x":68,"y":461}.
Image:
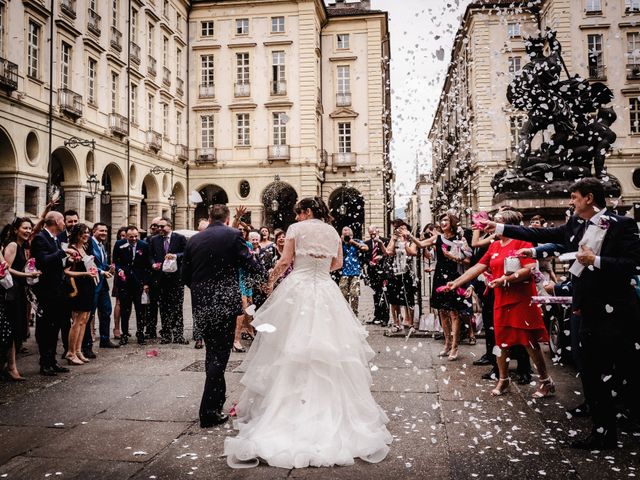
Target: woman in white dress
{"x":307,"y":399}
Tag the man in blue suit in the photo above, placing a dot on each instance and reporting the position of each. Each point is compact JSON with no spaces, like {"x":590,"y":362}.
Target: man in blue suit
{"x":132,"y":260}
{"x":102,"y":299}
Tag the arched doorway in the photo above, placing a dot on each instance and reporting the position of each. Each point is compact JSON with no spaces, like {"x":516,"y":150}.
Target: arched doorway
{"x":112,"y":182}
{"x":150,"y":192}
{"x":7,"y":181}
{"x":178,"y":210}
{"x":346,"y":205}
{"x":64,"y":169}
{"x":278,"y":200}
{"x":211,"y":195}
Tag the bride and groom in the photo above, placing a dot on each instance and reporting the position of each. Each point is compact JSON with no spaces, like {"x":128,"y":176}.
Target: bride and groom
{"x":307,"y":398}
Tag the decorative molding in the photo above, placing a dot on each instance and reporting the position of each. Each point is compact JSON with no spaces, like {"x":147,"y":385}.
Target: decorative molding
{"x":37,"y":8}
{"x":343,"y":59}
{"x":594,"y":26}
{"x":343,"y":113}
{"x":243,"y":106}
{"x":179,"y":39}
{"x":152,"y":14}
{"x":206,"y":108}
{"x":276,"y":43}
{"x":93,"y":45}
{"x":151,"y":84}
{"x":65,"y":25}
{"x":279,"y":104}
{"x":115,"y":60}
{"x":205,"y":47}
{"x":242,"y":45}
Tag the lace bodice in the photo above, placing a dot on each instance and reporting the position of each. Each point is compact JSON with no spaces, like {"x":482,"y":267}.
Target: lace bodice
{"x":314,"y":238}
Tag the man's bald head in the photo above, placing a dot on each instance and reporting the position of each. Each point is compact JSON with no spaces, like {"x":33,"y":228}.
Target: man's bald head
{"x":54,"y":221}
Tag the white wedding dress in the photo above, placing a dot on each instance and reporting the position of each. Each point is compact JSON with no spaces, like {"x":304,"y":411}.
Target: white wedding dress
{"x":307,"y":399}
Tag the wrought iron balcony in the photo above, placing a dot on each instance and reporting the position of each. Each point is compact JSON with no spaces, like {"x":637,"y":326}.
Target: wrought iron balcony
{"x":70,"y":102}
{"x":166,"y":77}
{"x":206,"y":155}
{"x":116,"y":39}
{"x":207,"y":91}
{"x":154,"y":140}
{"x":278,"y":87}
{"x":633,"y":71}
{"x":179,"y":86}
{"x":118,"y":124}
{"x":135,"y":52}
{"x":278,"y":152}
{"x":242,"y":89}
{"x":68,"y":7}
{"x":597,"y":72}
{"x":182,"y":152}
{"x":8,"y":75}
{"x":344,"y":159}
{"x":343,"y":99}
{"x":151,"y":66}
{"x":93,"y":22}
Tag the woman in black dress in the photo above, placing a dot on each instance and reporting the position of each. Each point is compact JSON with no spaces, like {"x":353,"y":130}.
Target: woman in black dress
{"x":17,"y":303}
{"x":451,"y":253}
{"x":81,"y":272}
{"x":6,"y":333}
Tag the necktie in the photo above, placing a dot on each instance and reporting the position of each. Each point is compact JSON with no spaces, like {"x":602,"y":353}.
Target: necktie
{"x":374,"y":253}
{"x":103,"y":253}
{"x":166,"y":245}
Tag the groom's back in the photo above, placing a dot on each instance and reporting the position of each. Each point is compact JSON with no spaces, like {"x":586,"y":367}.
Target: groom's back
{"x":212,"y":255}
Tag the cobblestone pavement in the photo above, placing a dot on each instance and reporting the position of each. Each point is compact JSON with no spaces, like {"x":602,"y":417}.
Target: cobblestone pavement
{"x":127,"y":415}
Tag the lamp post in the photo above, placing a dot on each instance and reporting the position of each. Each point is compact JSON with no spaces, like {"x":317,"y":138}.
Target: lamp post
{"x":92,"y":180}
{"x":157,"y":170}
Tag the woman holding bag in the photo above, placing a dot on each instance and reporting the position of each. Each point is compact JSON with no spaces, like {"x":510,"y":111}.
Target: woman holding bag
{"x":83,"y":279}
{"x":516,"y":320}
{"x":6,"y":332}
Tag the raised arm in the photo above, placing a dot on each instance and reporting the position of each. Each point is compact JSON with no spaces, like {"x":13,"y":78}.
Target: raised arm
{"x":288,"y":253}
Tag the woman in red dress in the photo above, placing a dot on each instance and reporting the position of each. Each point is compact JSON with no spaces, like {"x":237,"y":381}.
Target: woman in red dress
{"x":516,"y":320}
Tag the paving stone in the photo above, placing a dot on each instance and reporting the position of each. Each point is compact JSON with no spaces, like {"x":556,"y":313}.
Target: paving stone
{"x":19,"y":440}
{"x":30,"y":468}
{"x":119,"y":440}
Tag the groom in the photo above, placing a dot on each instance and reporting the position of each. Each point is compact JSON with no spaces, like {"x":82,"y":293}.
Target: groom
{"x":210,"y":269}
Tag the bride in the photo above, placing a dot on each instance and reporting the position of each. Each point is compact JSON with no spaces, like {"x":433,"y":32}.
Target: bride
{"x":307,"y":400}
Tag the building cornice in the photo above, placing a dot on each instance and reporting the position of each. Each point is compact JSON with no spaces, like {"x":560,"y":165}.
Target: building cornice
{"x":594,"y":26}
{"x":206,"y":108}
{"x":206,"y":47}
{"x":242,"y":45}
{"x":279,"y":104}
{"x":278,"y":43}
{"x":115,"y":60}
{"x":343,"y":113}
{"x":349,"y":58}
{"x":243,"y":106}
{"x":93,"y":45}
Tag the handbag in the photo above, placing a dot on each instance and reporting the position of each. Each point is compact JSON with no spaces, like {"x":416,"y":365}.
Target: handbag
{"x":6,"y":281}
{"x":170,"y":265}
{"x":511,"y":265}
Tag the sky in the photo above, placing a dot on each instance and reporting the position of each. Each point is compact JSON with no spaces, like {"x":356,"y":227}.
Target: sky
{"x":422,"y":34}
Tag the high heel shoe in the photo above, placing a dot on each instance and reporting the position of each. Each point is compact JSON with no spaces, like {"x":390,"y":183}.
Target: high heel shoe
{"x":445,"y":352}
{"x":74,"y":360}
{"x":6,"y":375}
{"x":502,"y":387}
{"x":453,"y":354}
{"x":546,"y":388}
{"x":237,"y":349}
{"x":82,"y":358}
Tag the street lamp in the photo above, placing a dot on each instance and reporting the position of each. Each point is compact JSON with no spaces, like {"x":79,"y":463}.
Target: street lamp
{"x":105,"y":197}
{"x":275,"y":205}
{"x":157,"y":170}
{"x":92,"y":181}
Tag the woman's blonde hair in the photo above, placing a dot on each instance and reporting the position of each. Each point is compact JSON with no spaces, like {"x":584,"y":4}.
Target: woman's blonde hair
{"x":510,"y":217}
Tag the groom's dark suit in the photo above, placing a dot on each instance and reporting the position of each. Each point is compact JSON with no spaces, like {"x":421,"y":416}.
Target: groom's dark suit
{"x":609,"y":307}
{"x":210,"y":269}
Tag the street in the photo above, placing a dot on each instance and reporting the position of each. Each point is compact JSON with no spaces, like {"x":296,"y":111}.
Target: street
{"x":131,"y":414}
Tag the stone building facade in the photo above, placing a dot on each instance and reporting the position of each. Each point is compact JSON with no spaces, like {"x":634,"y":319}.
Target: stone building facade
{"x":257,"y":103}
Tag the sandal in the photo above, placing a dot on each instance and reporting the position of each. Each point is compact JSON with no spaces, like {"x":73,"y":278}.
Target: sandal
{"x":246,"y":336}
{"x":546,"y":388}
{"x":396,"y":329}
{"x":472,"y":341}
{"x":502,"y":387}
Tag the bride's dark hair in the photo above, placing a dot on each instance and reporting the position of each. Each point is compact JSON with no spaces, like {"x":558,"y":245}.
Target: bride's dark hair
{"x":317,"y":207}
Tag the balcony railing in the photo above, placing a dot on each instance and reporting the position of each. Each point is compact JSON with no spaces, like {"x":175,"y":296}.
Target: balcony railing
{"x":68,"y":7}
{"x":154,"y":140}
{"x":93,"y":22}
{"x":116,"y":39}
{"x":344,"y":159}
{"x":633,"y":71}
{"x":207,"y":91}
{"x":118,"y":124}
{"x":278,"y":87}
{"x":70,"y":102}
{"x":206,"y":155}
{"x":343,"y":99}
{"x":179,"y":86}
{"x":597,"y":72}
{"x":8,"y":75}
{"x":166,"y":76}
{"x":151,"y":66}
{"x":182,"y":152}
{"x":242,"y":89}
{"x":135,"y":52}
{"x":278,"y":152}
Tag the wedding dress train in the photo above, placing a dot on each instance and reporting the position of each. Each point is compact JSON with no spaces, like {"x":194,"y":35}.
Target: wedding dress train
{"x":307,"y":398}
